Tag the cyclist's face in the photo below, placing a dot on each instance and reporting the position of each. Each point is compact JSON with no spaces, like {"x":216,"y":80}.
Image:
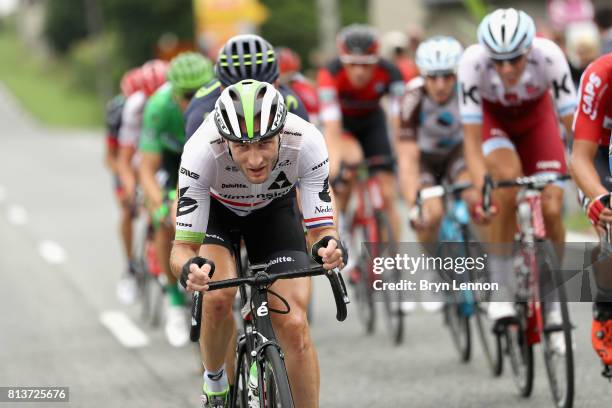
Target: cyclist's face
{"x":440,"y":87}
{"x":359,"y":74}
{"x":256,"y":160}
{"x":511,"y":71}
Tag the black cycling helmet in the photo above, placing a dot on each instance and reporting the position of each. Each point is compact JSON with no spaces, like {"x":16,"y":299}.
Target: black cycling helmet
{"x":358,"y":43}
{"x":246,"y":56}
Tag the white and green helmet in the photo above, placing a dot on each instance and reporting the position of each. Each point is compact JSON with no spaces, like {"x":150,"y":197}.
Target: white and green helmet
{"x":246,"y":104}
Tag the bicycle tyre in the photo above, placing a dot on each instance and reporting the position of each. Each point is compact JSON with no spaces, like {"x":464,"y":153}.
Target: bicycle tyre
{"x":563,"y":397}
{"x":240,"y":390}
{"x":520,"y":353}
{"x":392,"y":299}
{"x":490,"y":340}
{"x":364,"y":296}
{"x":276,"y":390}
{"x":459,"y":326}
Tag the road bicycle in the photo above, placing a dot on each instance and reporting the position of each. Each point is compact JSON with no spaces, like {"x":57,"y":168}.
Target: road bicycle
{"x":536,"y":267}
{"x":457,"y":239}
{"x":372,"y":234}
{"x":257,"y":344}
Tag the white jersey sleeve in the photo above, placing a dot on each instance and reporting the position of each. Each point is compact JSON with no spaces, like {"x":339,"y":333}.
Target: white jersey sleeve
{"x":131,"y":119}
{"x":313,"y":175}
{"x":196,"y":176}
{"x":558,"y":76}
{"x":468,"y":76}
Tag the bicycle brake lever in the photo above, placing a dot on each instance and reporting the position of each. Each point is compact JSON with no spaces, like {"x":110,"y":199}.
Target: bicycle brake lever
{"x":340,"y":294}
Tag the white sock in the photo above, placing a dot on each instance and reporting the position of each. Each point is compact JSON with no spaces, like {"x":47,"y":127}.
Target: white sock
{"x":216,"y":381}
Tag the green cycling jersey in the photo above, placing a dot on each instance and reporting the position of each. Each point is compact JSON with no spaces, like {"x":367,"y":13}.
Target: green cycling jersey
{"x":163,"y":131}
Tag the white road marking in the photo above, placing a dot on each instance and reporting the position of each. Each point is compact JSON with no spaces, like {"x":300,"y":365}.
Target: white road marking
{"x":124,"y":330}
{"x":16,"y":215}
{"x":572,"y":236}
{"x":52,"y":252}
{"x":2,"y":194}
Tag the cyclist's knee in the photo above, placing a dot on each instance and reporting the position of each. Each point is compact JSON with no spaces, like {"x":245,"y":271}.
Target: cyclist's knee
{"x":293,"y":329}
{"x":218,"y":304}
{"x":552,"y":205}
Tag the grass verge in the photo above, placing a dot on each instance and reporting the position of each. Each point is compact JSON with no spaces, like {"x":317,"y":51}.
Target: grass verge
{"x":44,"y":87}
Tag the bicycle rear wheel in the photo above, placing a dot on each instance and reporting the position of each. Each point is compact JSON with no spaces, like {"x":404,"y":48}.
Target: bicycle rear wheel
{"x":459,"y":325}
{"x":392,"y":299}
{"x":559,"y":363}
{"x":520,"y":352}
{"x":360,"y":279}
{"x":275,"y":388}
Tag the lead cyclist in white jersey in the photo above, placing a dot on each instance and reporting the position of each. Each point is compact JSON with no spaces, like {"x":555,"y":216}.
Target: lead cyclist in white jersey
{"x":238,"y":172}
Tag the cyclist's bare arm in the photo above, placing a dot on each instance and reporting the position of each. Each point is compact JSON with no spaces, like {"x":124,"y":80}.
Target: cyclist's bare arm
{"x":583,"y":171}
{"x":110,"y":158}
{"x":472,"y":146}
{"x":567,"y":122}
{"x":124,"y":169}
{"x":408,"y":155}
{"x":149,"y":164}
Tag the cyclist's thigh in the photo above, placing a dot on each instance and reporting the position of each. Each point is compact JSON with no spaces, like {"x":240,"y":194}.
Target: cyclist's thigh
{"x":501,"y":156}
{"x":295,"y":291}
{"x":273,"y":228}
{"x":541,"y":148}
{"x":372,"y":134}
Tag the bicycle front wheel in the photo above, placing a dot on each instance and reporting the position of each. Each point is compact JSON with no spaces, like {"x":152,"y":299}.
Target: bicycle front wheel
{"x":240,"y":390}
{"x":392,"y":299}
{"x":520,"y":352}
{"x":557,"y":336}
{"x":275,"y":388}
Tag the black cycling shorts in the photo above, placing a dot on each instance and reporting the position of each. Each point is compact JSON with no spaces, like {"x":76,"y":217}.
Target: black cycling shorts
{"x":436,"y":168}
{"x":267,"y":231}
{"x":371,"y":132}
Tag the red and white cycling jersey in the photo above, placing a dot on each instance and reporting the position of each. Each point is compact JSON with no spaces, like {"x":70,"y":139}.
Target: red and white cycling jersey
{"x":131,"y":119}
{"x":593,"y":118}
{"x":547,"y":71}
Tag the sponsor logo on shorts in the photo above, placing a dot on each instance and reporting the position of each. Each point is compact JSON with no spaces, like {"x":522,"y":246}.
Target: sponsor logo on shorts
{"x":182,"y":224}
{"x":189,"y":173}
{"x":548,"y":164}
{"x":280,"y":259}
{"x":236,"y":185}
{"x":588,"y":96}
{"x":214,"y":236}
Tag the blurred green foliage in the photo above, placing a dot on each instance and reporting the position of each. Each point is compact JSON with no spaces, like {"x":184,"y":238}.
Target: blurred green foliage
{"x":45,"y":87}
{"x":138,"y":24}
{"x":294,"y":23}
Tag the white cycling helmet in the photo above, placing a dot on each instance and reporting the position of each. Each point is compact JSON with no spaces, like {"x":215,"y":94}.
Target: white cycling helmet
{"x":438,"y":54}
{"x":506,"y":33}
{"x":243,"y":106}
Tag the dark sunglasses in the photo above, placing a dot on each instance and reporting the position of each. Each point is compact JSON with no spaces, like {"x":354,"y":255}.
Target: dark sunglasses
{"x":187,"y":94}
{"x":446,"y":76}
{"x":511,"y":61}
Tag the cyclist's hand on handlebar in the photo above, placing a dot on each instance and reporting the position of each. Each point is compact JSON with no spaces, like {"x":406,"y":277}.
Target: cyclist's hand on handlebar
{"x":197,"y":279}
{"x":478,"y":213}
{"x":599,"y":211}
{"x":330,"y":253}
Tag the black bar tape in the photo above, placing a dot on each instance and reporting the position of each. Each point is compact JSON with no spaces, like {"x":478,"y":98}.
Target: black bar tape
{"x":322,"y":243}
{"x":198,"y":260}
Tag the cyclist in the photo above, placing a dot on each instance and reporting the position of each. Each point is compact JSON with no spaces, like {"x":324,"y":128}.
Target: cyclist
{"x":246,"y":56}
{"x":511,"y":126}
{"x":350,"y":90}
{"x":160,"y":147}
{"x":430,"y":138}
{"x":591,"y":172}
{"x":251,"y":132}
{"x":114,"y":108}
{"x":289,"y":64}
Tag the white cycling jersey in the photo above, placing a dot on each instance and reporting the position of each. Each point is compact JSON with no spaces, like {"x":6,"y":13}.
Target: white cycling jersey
{"x":207,"y":170}
{"x":131,"y":119}
{"x":547,"y":70}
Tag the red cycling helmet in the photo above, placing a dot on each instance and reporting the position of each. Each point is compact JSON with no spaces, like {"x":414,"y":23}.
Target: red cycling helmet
{"x":358,"y":44}
{"x":131,"y":82}
{"x":288,"y":60}
{"x":153,"y":75}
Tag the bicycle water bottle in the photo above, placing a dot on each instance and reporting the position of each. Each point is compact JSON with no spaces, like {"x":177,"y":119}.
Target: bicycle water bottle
{"x":253,"y":399}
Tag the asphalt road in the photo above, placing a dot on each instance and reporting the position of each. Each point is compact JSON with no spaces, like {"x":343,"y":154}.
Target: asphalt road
{"x":60,"y":260}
